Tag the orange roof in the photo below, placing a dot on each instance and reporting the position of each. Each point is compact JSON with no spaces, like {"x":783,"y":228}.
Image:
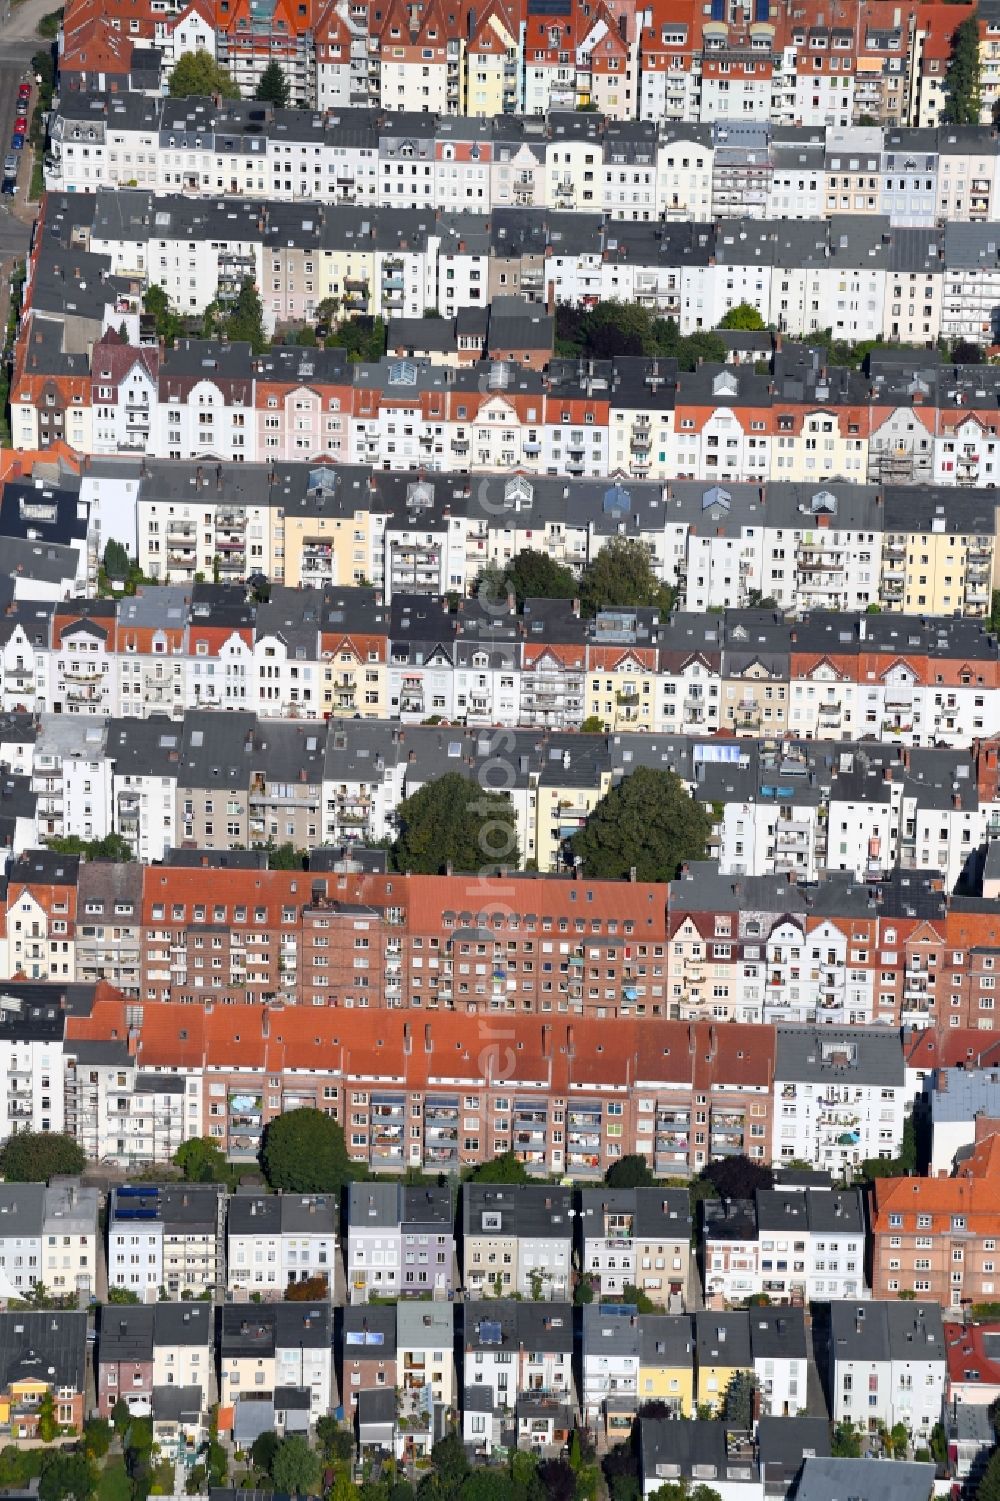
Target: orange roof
{"x":421,"y":1050}
{"x":977,"y":1199}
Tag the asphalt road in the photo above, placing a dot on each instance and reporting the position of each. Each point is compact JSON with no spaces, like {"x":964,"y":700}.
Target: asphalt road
{"x":18,"y":36}
{"x":19,"y":41}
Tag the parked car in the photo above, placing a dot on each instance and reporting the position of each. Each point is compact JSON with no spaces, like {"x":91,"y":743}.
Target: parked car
{"x":17,"y":142}
{"x":21,"y":124}
{"x":8,"y":186}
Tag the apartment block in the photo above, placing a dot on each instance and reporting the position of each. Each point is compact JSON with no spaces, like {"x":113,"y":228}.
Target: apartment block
{"x":274,"y":1241}
{"x":887,"y":1364}
{"x":169,"y":1236}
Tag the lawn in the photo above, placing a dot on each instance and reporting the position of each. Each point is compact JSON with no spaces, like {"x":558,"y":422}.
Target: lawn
{"x":114,"y":1484}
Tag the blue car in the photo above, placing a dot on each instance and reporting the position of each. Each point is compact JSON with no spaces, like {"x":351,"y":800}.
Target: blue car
{"x":17,"y":142}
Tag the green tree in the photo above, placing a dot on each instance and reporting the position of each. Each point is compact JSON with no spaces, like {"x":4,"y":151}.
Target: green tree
{"x":682,"y":1490}
{"x":285,"y":857}
{"x":116,"y":559}
{"x":66,"y":1475}
{"x":450,"y":1464}
{"x":737,"y":1406}
{"x":744,"y":317}
{"x":216,"y":1463}
{"x":273,"y":87}
{"x":120,"y":1419}
{"x":503,"y":1169}
{"x":639,"y":1300}
{"x":335,"y":1441}
{"x":245,"y":323}
{"x":630,"y":1171}
{"x":37,"y":1156}
{"x":845,"y":1441}
{"x":47,"y":1424}
{"x":97,"y":1437}
{"x":899,"y":1440}
{"x":487,"y":1485}
{"x":738,"y":1177}
{"x":156,"y":304}
{"x":197,"y":73}
{"x":111,"y":847}
{"x":622,"y":575}
{"x":263,"y":1452}
{"x":304,"y":1152}
{"x":295,"y":1467}
{"x":531,"y":575}
{"x":648,"y":821}
{"x":963,"y":78}
{"x":592,"y":725}
{"x":455,"y":821}
{"x":119,"y":1295}
{"x":362,"y":338}
{"x":201,"y":1161}
{"x":583,"y":1293}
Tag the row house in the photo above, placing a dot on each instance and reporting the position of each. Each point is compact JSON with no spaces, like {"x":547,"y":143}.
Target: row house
{"x":710,"y":1092}
{"x":887,"y":1364}
{"x":936,"y":1236}
{"x":274,"y":1241}
{"x":876,"y":939}
{"x":651,"y":1118}
{"x":267,"y":1349}
{"x":44,"y":1355}
{"x":793,"y":1245}
{"x":400,"y":1240}
{"x":166,"y":1237}
{"x":141,"y":1350}
{"x":406,"y":153}
{"x":673,"y":61}
{"x":853,"y":273}
{"x":49,"y":1237}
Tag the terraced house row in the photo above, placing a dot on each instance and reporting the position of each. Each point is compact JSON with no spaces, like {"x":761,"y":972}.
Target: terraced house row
{"x":657,"y":169}
{"x":918,"y":550}
{"x":215,"y":930}
{"x":851,"y":273}
{"x":343,"y":654}
{"x":419,"y":1088}
{"x":669,"y":60}
{"x":482,"y":391}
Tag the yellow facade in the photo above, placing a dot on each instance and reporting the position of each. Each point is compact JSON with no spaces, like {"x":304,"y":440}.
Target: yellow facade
{"x":340,"y":546}
{"x":668,"y":1383}
{"x":560,"y":808}
{"x":941,"y":573}
{"x":344,"y":274}
{"x":713,"y":1382}
{"x":623,"y":697}
{"x":353,"y":686}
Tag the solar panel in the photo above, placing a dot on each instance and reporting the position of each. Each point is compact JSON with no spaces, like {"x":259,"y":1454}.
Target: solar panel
{"x":490,"y":1333}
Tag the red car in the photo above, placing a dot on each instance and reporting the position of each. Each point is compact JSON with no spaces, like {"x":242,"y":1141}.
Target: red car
{"x":21,"y":124}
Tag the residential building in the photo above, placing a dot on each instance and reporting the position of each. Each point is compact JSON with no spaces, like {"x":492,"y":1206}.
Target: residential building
{"x":887,"y":1364}
{"x":276,"y":1240}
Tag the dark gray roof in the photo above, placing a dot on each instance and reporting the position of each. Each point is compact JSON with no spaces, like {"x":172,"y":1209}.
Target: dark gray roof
{"x":177,"y":1404}
{"x":125,"y":1333}
{"x":777,"y":1333}
{"x":826,"y":1479}
{"x":845,"y":1055}
{"x":723,"y":1339}
{"x":49,"y":1347}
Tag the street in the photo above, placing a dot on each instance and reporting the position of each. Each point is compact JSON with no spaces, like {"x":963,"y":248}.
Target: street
{"x":19,"y":41}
